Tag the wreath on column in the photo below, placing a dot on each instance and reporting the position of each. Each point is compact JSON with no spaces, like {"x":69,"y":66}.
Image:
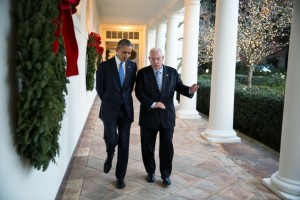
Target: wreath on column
{"x":133,"y":55}
{"x":41,"y":74}
{"x":94,"y":57}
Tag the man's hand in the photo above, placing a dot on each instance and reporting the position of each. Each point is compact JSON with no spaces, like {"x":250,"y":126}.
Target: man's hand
{"x":194,"y":88}
{"x":160,"y":105}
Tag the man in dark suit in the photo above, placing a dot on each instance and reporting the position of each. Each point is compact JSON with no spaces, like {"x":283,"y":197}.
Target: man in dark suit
{"x":155,"y":87}
{"x":115,"y":80}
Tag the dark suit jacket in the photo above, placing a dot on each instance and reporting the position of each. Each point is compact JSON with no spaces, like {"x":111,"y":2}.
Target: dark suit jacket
{"x":147,"y":92}
{"x":109,"y":89}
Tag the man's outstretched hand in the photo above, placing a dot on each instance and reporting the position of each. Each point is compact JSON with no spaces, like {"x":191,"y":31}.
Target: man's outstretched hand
{"x":194,"y":88}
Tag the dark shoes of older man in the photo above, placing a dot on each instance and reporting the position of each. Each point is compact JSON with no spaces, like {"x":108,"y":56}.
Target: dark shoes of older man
{"x":151,"y":179}
{"x":167,"y":181}
{"x":120,"y":183}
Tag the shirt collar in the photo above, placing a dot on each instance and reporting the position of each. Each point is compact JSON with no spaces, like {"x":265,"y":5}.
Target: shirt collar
{"x":160,"y":70}
{"x":118,"y":61}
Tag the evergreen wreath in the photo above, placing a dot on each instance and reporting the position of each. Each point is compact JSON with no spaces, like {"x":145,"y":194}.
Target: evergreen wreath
{"x":133,"y":55}
{"x":94,"y":57}
{"x":42,"y":82}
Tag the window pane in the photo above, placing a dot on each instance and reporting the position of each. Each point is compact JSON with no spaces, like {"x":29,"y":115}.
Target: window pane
{"x":108,"y":34}
{"x":136,"y":47}
{"x":136,"y":35}
{"x":130,"y":35}
{"x":125,"y":35}
{"x":114,"y":34}
{"x":119,"y":35}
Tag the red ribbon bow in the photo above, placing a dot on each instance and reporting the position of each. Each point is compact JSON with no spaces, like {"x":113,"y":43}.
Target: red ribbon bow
{"x":65,"y":26}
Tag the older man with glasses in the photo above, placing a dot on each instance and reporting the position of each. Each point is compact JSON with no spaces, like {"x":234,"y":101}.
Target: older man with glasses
{"x":155,"y":88}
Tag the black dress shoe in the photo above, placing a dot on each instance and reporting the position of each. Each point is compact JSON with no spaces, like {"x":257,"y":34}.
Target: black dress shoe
{"x":151,"y":178}
{"x":120,"y":183}
{"x":167,"y":181}
{"x":108,"y":163}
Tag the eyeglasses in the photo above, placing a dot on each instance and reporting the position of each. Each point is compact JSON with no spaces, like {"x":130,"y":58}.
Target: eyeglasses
{"x":155,"y":59}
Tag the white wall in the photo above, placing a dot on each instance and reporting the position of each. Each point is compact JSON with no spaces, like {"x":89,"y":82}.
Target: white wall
{"x":17,"y":181}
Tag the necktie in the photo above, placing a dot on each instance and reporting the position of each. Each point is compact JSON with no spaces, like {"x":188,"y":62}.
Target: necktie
{"x":158,"y":79}
{"x":121,"y":73}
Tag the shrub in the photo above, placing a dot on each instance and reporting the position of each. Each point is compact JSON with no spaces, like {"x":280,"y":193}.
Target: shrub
{"x":203,"y":96}
{"x":254,"y":114}
{"x":258,"y":111}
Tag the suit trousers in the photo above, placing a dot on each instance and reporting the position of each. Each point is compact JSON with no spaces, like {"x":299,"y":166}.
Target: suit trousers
{"x":118,"y":133}
{"x":166,"y":150}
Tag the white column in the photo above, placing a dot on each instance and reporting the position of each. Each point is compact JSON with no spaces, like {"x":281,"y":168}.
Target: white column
{"x":220,"y":127}
{"x":150,"y":41}
{"x":172,"y":43}
{"x":286,"y":181}
{"x":187,"y":108}
{"x":161,"y":35}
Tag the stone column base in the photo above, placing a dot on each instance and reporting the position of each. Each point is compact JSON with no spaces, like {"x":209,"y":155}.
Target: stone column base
{"x":281,"y":194}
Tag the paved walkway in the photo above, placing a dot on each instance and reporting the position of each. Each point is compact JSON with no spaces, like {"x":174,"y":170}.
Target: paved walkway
{"x":200,"y":170}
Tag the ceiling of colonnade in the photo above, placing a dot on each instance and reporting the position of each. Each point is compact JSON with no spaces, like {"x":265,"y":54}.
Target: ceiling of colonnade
{"x":134,"y":12}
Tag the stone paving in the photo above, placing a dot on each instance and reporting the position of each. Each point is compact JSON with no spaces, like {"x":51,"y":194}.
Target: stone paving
{"x":200,"y":170}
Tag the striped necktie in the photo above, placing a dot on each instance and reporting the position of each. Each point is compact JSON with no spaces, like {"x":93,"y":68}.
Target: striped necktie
{"x":158,"y":79}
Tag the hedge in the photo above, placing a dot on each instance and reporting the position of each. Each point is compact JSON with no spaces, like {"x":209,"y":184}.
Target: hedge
{"x":258,"y":111}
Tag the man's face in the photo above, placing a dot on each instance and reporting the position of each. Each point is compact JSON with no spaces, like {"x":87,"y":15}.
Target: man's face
{"x":124,"y":53}
{"x":156,"y":60}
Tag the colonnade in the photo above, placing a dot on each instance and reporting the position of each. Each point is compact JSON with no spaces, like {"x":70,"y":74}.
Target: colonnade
{"x":286,"y":181}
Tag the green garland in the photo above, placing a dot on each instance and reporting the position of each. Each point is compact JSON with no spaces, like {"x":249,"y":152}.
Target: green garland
{"x":42,"y":82}
{"x":91,"y":67}
{"x":94,"y":55}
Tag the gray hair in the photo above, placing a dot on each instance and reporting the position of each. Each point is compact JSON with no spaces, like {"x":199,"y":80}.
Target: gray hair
{"x":156,"y":49}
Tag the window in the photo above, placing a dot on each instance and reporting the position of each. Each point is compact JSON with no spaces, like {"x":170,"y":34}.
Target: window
{"x":130,"y":35}
{"x":122,"y":34}
{"x":114,"y":34}
{"x":108,"y":34}
{"x":136,"y":35}
{"x":125,"y":35}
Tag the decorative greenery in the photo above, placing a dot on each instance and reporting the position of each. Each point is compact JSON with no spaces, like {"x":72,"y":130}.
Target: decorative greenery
{"x":133,"y":55}
{"x":94,"y":56}
{"x":42,"y":82}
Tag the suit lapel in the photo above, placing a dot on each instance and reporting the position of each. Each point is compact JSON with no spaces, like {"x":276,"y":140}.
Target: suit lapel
{"x":165,"y":78}
{"x":127,"y":72}
{"x":115,"y":71}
